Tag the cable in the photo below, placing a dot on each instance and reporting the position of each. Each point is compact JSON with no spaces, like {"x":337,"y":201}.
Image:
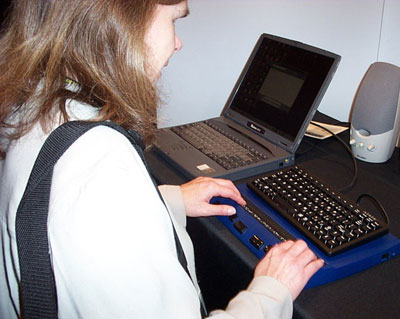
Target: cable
{"x":371,"y":198}
{"x":383,"y":212}
{"x":351,"y":154}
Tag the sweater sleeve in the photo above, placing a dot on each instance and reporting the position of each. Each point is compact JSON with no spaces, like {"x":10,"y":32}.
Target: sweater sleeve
{"x":173,"y":198}
{"x":265,"y":298}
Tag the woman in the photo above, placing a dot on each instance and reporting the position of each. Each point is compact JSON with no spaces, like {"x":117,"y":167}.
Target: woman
{"x":110,"y":236}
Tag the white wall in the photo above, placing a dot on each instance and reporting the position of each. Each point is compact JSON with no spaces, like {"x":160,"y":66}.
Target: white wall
{"x":219,"y":35}
{"x":389,"y":50}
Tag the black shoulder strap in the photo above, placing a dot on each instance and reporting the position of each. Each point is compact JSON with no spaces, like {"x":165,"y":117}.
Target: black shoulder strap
{"x":38,"y":298}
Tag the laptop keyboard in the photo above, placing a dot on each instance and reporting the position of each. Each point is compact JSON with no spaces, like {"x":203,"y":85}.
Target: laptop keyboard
{"x":322,"y":215}
{"x":220,"y":146}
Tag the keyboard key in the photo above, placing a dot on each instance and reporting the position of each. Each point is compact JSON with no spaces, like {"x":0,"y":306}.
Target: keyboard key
{"x":240,"y":227}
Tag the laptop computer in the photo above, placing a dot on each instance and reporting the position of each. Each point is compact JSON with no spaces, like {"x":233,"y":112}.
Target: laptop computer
{"x":266,"y":115}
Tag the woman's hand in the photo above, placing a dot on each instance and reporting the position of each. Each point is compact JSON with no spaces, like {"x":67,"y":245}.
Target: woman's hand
{"x":198,"y":193}
{"x":292,"y":263}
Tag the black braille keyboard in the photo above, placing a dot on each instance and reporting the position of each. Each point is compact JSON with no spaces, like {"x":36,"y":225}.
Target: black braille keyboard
{"x":324,"y":216}
{"x":222,"y":147}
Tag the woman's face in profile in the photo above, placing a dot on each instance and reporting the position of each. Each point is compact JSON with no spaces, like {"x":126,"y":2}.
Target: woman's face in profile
{"x":161,"y":38}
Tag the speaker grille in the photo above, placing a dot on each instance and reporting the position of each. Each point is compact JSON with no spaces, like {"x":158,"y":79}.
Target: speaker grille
{"x":376,"y":102}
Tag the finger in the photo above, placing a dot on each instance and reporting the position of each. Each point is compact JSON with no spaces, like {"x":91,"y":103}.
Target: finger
{"x":298,"y":247}
{"x":229,"y":193}
{"x":227,"y":183}
{"x":226,"y":210}
{"x":285,"y":245}
{"x":219,"y":210}
{"x":280,"y":248}
{"x":306,"y":257}
{"x":224,"y":182}
{"x":313,"y":267}
{"x":224,"y":188}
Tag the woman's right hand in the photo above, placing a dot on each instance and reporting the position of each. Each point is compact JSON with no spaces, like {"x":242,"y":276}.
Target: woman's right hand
{"x":291,"y":263}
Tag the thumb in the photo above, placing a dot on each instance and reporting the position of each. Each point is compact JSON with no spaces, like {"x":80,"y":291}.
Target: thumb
{"x":222,"y":210}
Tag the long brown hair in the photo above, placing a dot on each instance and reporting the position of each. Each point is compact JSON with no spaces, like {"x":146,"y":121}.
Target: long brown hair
{"x":98,"y":43}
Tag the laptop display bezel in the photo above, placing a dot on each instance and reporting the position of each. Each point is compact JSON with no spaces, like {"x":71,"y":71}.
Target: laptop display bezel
{"x":275,"y":135}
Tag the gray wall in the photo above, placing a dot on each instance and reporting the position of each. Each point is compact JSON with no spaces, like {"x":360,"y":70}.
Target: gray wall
{"x":219,"y":35}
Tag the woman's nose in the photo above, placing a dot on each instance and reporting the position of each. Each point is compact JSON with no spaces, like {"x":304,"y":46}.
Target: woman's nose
{"x":178,"y":44}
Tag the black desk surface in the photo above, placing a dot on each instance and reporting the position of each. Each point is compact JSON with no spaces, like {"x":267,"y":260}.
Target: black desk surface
{"x":225,"y":265}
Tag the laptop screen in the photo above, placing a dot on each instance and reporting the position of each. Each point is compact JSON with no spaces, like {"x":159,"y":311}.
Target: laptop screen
{"x":281,"y":84}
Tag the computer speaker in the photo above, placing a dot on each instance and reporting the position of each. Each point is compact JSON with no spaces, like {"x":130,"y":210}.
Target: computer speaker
{"x":375,"y":118}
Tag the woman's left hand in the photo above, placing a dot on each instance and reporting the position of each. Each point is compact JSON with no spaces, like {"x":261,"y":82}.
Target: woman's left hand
{"x":198,"y":193}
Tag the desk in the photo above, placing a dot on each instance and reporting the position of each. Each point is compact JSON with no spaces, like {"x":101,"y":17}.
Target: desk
{"x":225,"y":265}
